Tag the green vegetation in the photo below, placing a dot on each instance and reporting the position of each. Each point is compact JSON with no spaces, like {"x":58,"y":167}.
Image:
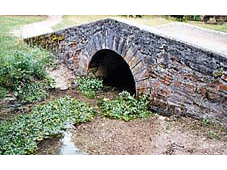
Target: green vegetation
{"x":89,"y":86}
{"x":22,"y":135}
{"x":216,"y":27}
{"x":125,"y":107}
{"x":24,"y":74}
{"x":72,"y":20}
{"x":3,"y":92}
{"x":149,"y":20}
{"x":197,"y":21}
{"x":22,"y":68}
{"x":36,"y":91}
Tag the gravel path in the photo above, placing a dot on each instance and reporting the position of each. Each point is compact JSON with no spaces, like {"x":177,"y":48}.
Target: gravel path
{"x":38,"y":28}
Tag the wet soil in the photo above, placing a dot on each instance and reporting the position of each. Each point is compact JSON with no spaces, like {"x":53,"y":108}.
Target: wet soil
{"x":50,"y":146}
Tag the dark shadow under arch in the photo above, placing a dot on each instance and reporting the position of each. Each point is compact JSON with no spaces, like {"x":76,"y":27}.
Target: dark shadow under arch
{"x":113,"y":69}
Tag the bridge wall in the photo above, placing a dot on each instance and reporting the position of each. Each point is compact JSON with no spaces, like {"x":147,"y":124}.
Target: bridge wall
{"x":179,"y":79}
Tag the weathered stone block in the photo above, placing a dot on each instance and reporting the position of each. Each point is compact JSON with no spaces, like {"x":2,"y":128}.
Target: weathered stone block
{"x":109,"y":39}
{"x":130,"y":53}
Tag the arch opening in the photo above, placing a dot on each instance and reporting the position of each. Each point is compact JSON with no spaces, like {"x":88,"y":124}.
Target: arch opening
{"x":113,"y":69}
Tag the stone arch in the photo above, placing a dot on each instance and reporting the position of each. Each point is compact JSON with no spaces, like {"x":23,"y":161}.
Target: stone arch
{"x":113,"y":69}
{"x":108,"y":40}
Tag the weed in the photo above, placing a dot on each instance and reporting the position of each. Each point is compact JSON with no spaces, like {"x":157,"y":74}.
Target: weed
{"x":35,"y":91}
{"x":206,"y":122}
{"x":3,"y":92}
{"x":22,"y":135}
{"x":25,"y":75}
{"x":89,"y":86}
{"x":211,"y":134}
{"x":125,"y":107}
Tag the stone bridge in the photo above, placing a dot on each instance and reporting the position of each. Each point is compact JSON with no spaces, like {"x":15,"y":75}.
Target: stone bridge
{"x":179,"y":79}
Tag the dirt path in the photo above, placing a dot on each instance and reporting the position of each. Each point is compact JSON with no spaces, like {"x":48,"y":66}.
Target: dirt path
{"x":38,"y":28}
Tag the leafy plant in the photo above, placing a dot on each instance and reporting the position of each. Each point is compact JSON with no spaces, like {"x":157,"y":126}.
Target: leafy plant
{"x":125,"y":107}
{"x":89,"y":86}
{"x":3,"y":92}
{"x":25,"y":75}
{"x":22,"y":68}
{"x":36,"y":91}
{"x":22,"y":135}
{"x":206,"y":121}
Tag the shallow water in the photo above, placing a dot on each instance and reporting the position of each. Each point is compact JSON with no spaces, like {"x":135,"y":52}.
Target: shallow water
{"x":60,"y":146}
{"x":68,"y":147}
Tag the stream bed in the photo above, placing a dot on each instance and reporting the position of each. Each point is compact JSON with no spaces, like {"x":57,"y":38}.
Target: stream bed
{"x":60,"y":145}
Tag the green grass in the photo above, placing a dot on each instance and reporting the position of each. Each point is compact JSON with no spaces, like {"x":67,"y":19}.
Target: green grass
{"x":21,"y":135}
{"x":72,"y":20}
{"x":216,"y":27}
{"x":22,"y":68}
{"x":7,"y":25}
{"x":149,"y":20}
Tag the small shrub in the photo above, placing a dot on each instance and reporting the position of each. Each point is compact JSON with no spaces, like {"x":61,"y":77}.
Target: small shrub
{"x":125,"y":107}
{"x":196,"y":18}
{"x":35,"y":91}
{"x":89,"y":86}
{"x":25,"y":67}
{"x":22,"y":135}
{"x":25,"y":75}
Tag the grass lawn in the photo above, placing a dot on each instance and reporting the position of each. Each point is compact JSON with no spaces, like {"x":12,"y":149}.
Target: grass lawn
{"x":222,"y":28}
{"x":72,"y":20}
{"x":149,"y":20}
{"x":8,"y":24}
